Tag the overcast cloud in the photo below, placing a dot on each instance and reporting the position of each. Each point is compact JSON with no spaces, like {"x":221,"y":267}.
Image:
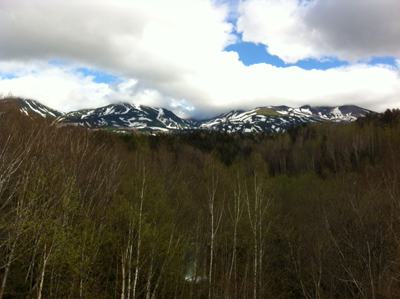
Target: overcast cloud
{"x":350,"y":30}
{"x":171,"y":53}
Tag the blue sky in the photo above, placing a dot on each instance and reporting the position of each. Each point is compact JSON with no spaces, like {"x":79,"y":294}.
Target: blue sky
{"x":98,"y":75}
{"x":201,"y":58}
{"x":251,"y":53}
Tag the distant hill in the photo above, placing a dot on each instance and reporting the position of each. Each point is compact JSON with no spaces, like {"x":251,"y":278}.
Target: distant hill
{"x":32,"y":108}
{"x":280,"y":118}
{"x":130,"y":117}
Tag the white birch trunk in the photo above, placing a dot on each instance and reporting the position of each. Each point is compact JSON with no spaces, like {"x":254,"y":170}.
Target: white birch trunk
{"x":7,"y":269}
{"x":46,"y":257}
{"x":139,"y":242}
{"x":212,"y":190}
{"x":130,"y":264}
{"x":123,"y":276}
{"x":235,"y":216}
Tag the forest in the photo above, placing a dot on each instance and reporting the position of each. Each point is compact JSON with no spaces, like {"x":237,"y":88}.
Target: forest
{"x":313,"y":212}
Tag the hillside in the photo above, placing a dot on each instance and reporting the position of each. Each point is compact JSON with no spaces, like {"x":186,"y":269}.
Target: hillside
{"x":310,"y":212}
{"x":128,"y":117}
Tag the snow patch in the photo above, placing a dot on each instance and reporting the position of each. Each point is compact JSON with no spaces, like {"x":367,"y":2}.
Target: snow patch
{"x":145,"y":118}
{"x":336,"y":112}
{"x":306,"y":110}
{"x":86,"y":115}
{"x":37,"y":111}
{"x":283,"y":112}
{"x":109,"y":110}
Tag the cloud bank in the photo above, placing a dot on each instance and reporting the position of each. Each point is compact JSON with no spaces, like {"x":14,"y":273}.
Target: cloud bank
{"x":348,"y":30}
{"x":171,"y":53}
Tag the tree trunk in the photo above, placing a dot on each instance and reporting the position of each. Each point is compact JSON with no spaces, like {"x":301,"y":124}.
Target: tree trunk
{"x":46,"y":257}
{"x":139,"y":241}
{"x":123,"y":276}
{"x":7,"y":269}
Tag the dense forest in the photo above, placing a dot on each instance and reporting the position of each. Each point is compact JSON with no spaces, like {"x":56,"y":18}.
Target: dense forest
{"x":310,"y":213}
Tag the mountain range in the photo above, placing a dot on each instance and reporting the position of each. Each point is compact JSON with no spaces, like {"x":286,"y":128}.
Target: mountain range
{"x":125,"y":117}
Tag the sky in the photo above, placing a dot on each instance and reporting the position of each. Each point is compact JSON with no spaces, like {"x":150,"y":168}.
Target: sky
{"x":201,"y":58}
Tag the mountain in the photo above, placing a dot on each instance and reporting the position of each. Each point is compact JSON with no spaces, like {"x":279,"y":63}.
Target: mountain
{"x":280,"y":118}
{"x":32,"y":108}
{"x":127,"y":117}
{"x":272,"y":119}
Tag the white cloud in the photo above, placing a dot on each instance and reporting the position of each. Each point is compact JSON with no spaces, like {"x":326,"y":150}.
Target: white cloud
{"x":300,"y":29}
{"x":279,"y":26}
{"x":61,"y":89}
{"x":160,"y":43}
{"x":169,"y":54}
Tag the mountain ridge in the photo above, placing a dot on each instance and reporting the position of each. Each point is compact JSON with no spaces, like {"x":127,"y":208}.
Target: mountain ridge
{"x":125,"y":117}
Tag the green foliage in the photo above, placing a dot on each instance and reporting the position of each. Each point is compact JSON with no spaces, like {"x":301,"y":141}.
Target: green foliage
{"x":267,"y":111}
{"x":310,"y":213}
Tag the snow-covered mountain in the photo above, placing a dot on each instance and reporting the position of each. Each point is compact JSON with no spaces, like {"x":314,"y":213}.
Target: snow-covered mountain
{"x":280,"y":118}
{"x":32,"y":108}
{"x":126,"y":117}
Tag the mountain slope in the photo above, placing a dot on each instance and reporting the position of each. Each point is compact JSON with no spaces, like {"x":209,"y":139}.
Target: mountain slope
{"x":280,"y":118}
{"x":127,"y":116}
{"x":32,"y":108}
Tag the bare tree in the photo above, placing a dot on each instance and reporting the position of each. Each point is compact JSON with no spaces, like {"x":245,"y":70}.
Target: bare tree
{"x":258,"y":203}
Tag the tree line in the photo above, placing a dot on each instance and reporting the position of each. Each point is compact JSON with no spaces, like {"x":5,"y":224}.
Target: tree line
{"x":310,"y":213}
